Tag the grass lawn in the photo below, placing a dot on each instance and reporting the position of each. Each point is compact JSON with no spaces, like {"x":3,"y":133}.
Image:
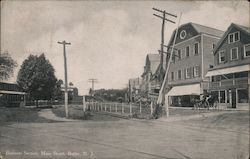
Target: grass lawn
{"x":21,"y":115}
{"x":75,"y":112}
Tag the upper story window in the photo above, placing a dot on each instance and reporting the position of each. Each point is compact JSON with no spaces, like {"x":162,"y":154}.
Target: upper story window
{"x":183,"y":34}
{"x":172,"y":76}
{"x":196,"y":48}
{"x":213,"y":46}
{"x":197,"y":71}
{"x":187,"y":51}
{"x":179,"y":54}
{"x":179,"y":74}
{"x":247,"y":50}
{"x":233,"y":37}
{"x":234,"y":53}
{"x":222,"y":56}
{"x":188,"y":73}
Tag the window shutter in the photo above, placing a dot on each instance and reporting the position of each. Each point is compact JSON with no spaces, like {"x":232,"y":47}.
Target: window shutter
{"x":192,"y":72}
{"x":184,"y":73}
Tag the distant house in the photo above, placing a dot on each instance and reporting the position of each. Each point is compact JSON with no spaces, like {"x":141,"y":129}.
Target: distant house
{"x":230,"y":75}
{"x":10,"y":95}
{"x":72,"y":94}
{"x":149,"y":82}
{"x":190,"y":62}
{"x":134,"y":88}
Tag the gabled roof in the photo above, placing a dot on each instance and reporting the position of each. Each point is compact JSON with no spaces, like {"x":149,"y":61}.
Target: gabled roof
{"x":208,"y":30}
{"x":200,"y":29}
{"x":154,"y":57}
{"x":154,"y":60}
{"x":233,"y":25}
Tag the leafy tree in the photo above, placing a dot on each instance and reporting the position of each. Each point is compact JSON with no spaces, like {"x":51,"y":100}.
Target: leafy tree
{"x":7,"y":65}
{"x":37,"y":78}
{"x":58,"y":94}
{"x":71,"y":84}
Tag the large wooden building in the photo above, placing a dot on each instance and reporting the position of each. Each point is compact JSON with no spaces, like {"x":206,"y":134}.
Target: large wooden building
{"x":230,"y":75}
{"x":190,"y":63}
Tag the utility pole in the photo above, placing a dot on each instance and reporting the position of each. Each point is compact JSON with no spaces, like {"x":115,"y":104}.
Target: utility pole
{"x":93,"y":81}
{"x":163,"y":76}
{"x":64,"y":43}
{"x":163,"y":17}
{"x":161,"y":97}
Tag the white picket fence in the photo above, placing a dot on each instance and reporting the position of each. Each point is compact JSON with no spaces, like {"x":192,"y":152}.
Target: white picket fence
{"x":118,"y":108}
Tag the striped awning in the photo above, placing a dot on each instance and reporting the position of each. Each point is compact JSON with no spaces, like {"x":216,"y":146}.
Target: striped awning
{"x":191,"y":89}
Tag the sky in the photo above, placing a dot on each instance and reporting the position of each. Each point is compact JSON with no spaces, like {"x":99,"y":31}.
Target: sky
{"x":109,"y":39}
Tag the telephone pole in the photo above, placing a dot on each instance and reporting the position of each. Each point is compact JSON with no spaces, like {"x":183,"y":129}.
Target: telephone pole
{"x":93,"y":81}
{"x":64,"y":43}
{"x":162,"y":78}
{"x":163,"y":18}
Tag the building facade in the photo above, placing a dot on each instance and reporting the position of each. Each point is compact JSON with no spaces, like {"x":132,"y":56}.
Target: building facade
{"x":134,"y":89}
{"x":10,"y":95}
{"x":190,"y":62}
{"x":150,"y":84}
{"x":230,"y":75}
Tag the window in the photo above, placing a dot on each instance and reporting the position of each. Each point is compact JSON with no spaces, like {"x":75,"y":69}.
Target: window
{"x":196,"y":48}
{"x":188,"y":72}
{"x":213,"y":46}
{"x":222,"y":56}
{"x":187,"y":51}
{"x":172,"y":76}
{"x":241,"y":74}
{"x":236,"y":36}
{"x":173,"y":57}
{"x":179,"y":54}
{"x":183,"y":34}
{"x":222,"y":96}
{"x":247,"y":50}
{"x":179,"y":74}
{"x":234,"y":53}
{"x":196,"y":71}
{"x":233,"y":37}
{"x":242,"y":96}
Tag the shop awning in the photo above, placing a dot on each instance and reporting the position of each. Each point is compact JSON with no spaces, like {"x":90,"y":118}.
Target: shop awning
{"x":191,"y":89}
{"x":228,"y":70}
{"x":11,"y":92}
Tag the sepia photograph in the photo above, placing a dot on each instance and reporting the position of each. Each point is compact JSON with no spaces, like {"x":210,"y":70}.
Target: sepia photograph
{"x":124,"y":79}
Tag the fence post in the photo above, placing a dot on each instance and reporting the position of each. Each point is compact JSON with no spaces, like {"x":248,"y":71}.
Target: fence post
{"x":116,"y":107}
{"x":140,"y":107}
{"x":130,"y":108}
{"x":105,"y":107}
{"x":151,"y":108}
{"x":101,"y":106}
{"x":83,"y":104}
{"x":122,"y":108}
{"x":110,"y":107}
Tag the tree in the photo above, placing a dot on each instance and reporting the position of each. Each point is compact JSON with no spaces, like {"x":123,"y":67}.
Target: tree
{"x":37,"y":78}
{"x":7,"y":65}
{"x":58,"y":94}
{"x":71,"y":84}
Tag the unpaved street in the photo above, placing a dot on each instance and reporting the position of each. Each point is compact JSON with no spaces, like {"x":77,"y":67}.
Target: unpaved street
{"x":223,"y":137}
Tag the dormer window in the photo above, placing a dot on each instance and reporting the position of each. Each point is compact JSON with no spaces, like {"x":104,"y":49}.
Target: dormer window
{"x":233,"y":37}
